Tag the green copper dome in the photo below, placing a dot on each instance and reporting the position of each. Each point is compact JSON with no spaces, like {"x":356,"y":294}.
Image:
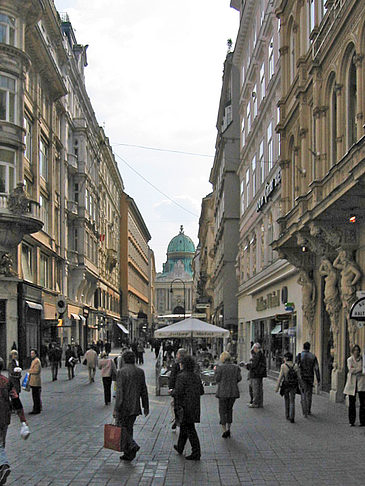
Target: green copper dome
{"x":181,"y":244}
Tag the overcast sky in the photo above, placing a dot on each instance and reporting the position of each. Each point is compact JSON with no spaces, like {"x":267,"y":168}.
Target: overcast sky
{"x":154,"y":79}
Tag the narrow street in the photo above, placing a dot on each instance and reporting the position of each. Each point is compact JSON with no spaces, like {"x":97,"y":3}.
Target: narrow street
{"x":66,"y":444}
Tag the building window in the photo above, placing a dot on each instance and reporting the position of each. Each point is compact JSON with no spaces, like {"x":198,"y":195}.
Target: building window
{"x":44,"y":268}
{"x":7,"y":163}
{"x":242,"y":195}
{"x":27,"y":262}
{"x":352,"y":103}
{"x":253,"y":171}
{"x":76,"y":192}
{"x":261,"y":162}
{"x":333,"y":124}
{"x":262,"y":81}
{"x":254,"y":97}
{"x":311,"y":15}
{"x":271,"y":58}
{"x":292,"y":54}
{"x":7,"y":29}
{"x":248,"y":116}
{"x":43,"y":159}
{"x":248,"y":185}
{"x":243,"y":74}
{"x":7,"y":98}
{"x":270,"y":152}
{"x":44,"y":212}
{"x":75,"y":240}
{"x":57,"y":226}
{"x":28,"y":138}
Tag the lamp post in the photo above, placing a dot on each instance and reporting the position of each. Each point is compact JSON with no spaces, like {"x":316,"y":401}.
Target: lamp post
{"x":182,"y":281}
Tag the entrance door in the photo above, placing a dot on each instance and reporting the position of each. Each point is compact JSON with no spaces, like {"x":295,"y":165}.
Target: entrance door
{"x":3,"y":329}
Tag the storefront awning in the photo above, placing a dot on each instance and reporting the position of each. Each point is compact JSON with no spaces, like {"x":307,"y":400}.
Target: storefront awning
{"x":75,"y":316}
{"x":33,"y":305}
{"x":83,"y":319}
{"x":122,"y":328}
{"x":277,"y":329}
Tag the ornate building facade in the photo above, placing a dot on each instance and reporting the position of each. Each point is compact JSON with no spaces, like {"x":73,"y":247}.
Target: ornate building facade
{"x":321,"y":126}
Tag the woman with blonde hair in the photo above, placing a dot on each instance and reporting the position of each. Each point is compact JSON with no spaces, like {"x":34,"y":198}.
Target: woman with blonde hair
{"x":355,"y":384}
{"x":227,"y":375}
{"x":15,"y":372}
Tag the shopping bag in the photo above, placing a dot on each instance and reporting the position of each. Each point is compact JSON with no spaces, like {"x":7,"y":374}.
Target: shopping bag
{"x":112,"y":437}
{"x":25,"y":382}
{"x":24,"y":431}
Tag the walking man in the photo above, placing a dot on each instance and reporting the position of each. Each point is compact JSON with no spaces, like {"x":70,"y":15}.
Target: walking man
{"x":91,"y":363}
{"x":257,"y":371}
{"x":131,"y":390}
{"x":53,"y":359}
{"x":308,"y":365}
{"x":176,"y":369}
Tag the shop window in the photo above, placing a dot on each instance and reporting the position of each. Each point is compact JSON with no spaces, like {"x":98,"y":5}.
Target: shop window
{"x":7,"y":170}
{"x":7,"y":29}
{"x":7,"y":98}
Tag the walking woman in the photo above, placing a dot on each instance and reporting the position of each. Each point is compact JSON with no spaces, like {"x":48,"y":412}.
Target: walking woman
{"x":15,"y":372}
{"x":227,"y":375}
{"x":287,"y":383}
{"x":70,"y":360}
{"x":35,"y":381}
{"x":187,"y":392}
{"x":108,"y":373}
{"x":355,"y":383}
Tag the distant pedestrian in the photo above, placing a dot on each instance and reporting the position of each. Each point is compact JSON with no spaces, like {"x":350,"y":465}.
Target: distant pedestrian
{"x":134,"y":348}
{"x":108,"y":374}
{"x":79,"y":352}
{"x":9,"y":399}
{"x":257,"y":371}
{"x":308,"y":365}
{"x":176,"y":369}
{"x":227,"y":375}
{"x":53,"y":356}
{"x":35,"y":382}
{"x":70,"y":361}
{"x":355,"y":384}
{"x":156,"y":347}
{"x":91,"y":358}
{"x":187,"y":393}
{"x":288,"y":383}
{"x":140,"y":351}
{"x":108,"y":348}
{"x":131,"y":390}
{"x":14,"y":370}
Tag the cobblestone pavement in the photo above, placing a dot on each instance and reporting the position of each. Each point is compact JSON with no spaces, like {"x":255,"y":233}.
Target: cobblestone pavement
{"x":66,"y":444}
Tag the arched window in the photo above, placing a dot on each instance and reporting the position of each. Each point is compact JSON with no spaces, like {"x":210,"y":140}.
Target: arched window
{"x":333,"y":122}
{"x":352,"y":103}
{"x":292,"y":53}
{"x":291,"y":191}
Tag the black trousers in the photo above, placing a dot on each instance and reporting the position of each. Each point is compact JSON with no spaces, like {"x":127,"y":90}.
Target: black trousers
{"x":107,"y":384}
{"x":36,"y":395}
{"x":128,"y":444}
{"x":226,"y":410}
{"x":352,"y":408}
{"x":187,"y":431}
{"x":54,"y":368}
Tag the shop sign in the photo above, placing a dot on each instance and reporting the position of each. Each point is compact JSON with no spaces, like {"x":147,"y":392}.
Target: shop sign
{"x":292,"y":331}
{"x":357,"y":311}
{"x":269,"y":189}
{"x":289,"y":306}
{"x":271,"y":300}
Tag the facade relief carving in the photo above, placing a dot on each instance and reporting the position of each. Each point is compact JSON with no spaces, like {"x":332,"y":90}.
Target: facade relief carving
{"x":308,"y":300}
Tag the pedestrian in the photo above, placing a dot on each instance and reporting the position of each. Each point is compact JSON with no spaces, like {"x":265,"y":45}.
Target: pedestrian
{"x":176,"y":369}
{"x":108,"y":348}
{"x":35,"y":382}
{"x":9,"y":400}
{"x":53,"y":359}
{"x":131,"y":390}
{"x":134,"y":348}
{"x":156,"y":347}
{"x":108,"y":374}
{"x":227,"y":375}
{"x":308,"y":365}
{"x":187,"y":392}
{"x":79,"y":352}
{"x":91,"y":359}
{"x":355,"y":384}
{"x":257,"y":371}
{"x":14,"y":370}
{"x":288,"y":383}
{"x":140,"y":351}
{"x":70,"y":359}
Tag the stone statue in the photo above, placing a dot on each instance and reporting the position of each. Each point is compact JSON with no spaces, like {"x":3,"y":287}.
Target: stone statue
{"x":308,"y":298}
{"x":6,"y":266}
{"x":350,"y":275}
{"x":18,"y":202}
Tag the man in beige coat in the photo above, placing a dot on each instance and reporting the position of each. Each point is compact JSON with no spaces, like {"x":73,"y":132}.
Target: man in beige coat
{"x":35,"y":382}
{"x":91,"y":362}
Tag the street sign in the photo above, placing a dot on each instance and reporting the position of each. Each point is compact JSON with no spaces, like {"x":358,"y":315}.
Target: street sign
{"x":357,"y":311}
{"x":202,"y":306}
{"x":289,"y":306}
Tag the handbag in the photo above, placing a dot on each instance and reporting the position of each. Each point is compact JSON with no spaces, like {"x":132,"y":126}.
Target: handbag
{"x":112,"y":437}
{"x":24,"y":431}
{"x":84,"y":362}
{"x":26,"y":382}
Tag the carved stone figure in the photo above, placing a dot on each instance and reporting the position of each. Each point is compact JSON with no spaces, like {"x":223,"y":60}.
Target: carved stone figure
{"x":18,"y":202}
{"x":6,"y":266}
{"x":350,"y":275}
{"x":308,"y":298}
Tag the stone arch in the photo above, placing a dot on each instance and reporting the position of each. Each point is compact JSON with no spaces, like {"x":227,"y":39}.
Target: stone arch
{"x":292,"y":43}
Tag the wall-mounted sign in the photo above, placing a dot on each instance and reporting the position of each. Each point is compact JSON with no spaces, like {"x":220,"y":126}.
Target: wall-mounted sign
{"x":289,"y":306}
{"x":269,"y":189}
{"x":357,"y":311}
{"x":271,"y":300}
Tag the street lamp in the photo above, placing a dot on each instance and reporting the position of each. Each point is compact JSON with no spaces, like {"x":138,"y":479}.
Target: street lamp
{"x":182,"y":281}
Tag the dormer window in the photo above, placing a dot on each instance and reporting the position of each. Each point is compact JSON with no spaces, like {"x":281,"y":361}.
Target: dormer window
{"x":7,"y":29}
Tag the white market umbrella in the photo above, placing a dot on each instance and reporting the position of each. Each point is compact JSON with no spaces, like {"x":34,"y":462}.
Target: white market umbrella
{"x":191,"y":328}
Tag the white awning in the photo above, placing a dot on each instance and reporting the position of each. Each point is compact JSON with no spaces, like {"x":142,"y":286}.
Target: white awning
{"x":75,"y":316}
{"x":83,"y":319}
{"x":33,"y":305}
{"x":277,"y":329}
{"x":122,"y":328}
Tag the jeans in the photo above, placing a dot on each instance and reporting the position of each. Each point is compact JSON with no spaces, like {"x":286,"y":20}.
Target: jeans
{"x":128,"y":444}
{"x":3,"y":458}
{"x":289,"y":398}
{"x":306,"y":390}
{"x":91,"y":374}
{"x":352,"y":408}
{"x":250,"y":391}
{"x":36,"y":395}
{"x":226,"y":410}
{"x":107,"y":384}
{"x":187,"y":431}
{"x":258,"y":392}
{"x":54,"y":368}
{"x":70,"y":372}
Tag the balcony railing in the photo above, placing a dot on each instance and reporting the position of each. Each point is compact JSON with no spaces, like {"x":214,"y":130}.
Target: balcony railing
{"x":72,"y":207}
{"x":30,"y":208}
{"x":72,"y":161}
{"x":73,"y":257}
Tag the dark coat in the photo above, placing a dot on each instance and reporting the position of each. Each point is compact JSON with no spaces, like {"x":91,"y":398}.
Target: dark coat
{"x":173,"y":375}
{"x":257,"y":366}
{"x":131,"y":389}
{"x":14,"y":377}
{"x":188,"y":389}
{"x":308,"y":365}
{"x":8,"y":397}
{"x":227,"y":376}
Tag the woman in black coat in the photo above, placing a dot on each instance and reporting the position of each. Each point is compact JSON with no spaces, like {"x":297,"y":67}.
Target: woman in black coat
{"x":187,"y":392}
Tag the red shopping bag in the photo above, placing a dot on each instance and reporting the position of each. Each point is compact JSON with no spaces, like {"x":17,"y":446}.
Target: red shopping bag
{"x":112,"y":437}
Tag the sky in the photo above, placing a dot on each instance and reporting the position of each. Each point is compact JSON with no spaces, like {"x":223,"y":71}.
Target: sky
{"x":154,"y":78}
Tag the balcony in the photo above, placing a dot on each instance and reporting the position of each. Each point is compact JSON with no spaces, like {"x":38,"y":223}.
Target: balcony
{"x":72,"y":162}
{"x":72,"y":257}
{"x":72,"y":208}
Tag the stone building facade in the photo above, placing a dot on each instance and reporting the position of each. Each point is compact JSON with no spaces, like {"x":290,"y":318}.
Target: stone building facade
{"x":321,"y":127}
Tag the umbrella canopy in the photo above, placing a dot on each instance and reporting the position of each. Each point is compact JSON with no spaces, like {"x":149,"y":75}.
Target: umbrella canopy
{"x":191,"y":328}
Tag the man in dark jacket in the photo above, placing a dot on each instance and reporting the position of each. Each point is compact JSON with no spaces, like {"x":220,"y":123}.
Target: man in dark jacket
{"x":131,"y":389}
{"x":308,"y":365}
{"x":257,"y":369}
{"x":187,"y":392}
{"x":172,"y":381}
{"x":53,"y":356}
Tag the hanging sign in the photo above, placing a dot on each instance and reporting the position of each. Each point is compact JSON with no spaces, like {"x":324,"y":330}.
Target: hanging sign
{"x":357,"y":311}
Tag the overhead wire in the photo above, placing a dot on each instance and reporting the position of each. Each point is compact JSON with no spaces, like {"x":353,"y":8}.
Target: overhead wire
{"x":162,"y":150}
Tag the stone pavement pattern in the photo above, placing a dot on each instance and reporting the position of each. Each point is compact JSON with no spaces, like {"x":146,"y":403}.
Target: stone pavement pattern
{"x":66,"y":444}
